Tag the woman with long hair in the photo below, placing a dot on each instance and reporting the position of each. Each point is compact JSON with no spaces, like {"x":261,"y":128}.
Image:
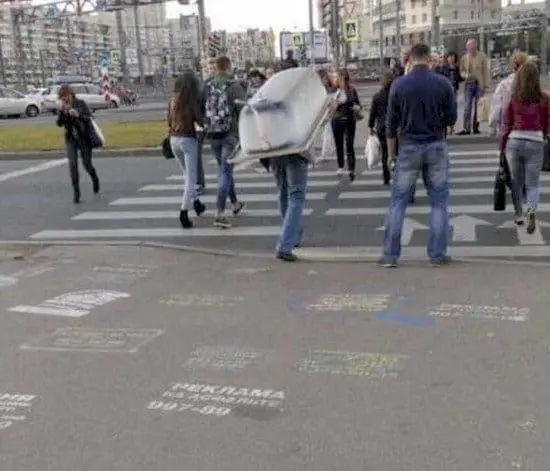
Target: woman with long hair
{"x":377,"y":121}
{"x":75,"y":116}
{"x":344,"y":123}
{"x":526,"y":127}
{"x":183,"y":115}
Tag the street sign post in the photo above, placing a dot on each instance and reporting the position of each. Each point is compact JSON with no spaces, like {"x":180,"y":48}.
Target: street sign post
{"x":351,"y":31}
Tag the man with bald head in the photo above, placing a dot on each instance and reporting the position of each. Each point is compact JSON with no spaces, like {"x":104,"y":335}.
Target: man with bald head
{"x":474,"y":69}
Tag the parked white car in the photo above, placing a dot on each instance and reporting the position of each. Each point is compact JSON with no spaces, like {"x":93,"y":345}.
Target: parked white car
{"x":13,"y":103}
{"x":92,"y":95}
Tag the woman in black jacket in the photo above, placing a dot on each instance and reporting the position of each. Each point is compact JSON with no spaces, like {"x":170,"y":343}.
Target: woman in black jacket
{"x":377,"y":122}
{"x":344,"y":123}
{"x":75,"y":116}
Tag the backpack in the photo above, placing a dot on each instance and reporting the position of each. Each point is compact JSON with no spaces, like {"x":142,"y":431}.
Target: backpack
{"x":217,"y":117}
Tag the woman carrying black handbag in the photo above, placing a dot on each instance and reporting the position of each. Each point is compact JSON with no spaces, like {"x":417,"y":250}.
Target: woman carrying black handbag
{"x":75,"y":116}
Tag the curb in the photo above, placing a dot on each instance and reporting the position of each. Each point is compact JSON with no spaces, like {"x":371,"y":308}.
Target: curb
{"x":304,"y":257}
{"x":156,"y":151}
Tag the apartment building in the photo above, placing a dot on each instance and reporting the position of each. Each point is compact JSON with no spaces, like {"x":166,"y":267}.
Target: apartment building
{"x":251,"y":47}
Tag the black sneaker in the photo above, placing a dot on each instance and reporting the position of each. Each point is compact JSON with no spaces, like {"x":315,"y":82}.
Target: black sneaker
{"x":387,"y":263}
{"x":351,"y":176}
{"x":76,"y":197}
{"x":286,"y":257}
{"x":199,"y":207}
{"x":463,"y":133}
{"x":185,"y":222}
{"x":222,"y":222}
{"x":531,"y":221}
{"x":237,"y":208}
{"x":440,"y":262}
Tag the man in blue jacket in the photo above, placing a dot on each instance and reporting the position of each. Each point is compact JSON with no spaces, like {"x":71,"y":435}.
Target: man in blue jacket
{"x":421,"y":105}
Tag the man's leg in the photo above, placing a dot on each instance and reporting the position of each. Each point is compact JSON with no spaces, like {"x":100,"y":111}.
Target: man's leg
{"x":296,"y":177}
{"x":469,"y":90}
{"x":436,"y":177}
{"x":408,"y":165}
{"x":72,"y":157}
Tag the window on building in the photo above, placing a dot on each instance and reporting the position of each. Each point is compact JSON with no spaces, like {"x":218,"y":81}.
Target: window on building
{"x":424,"y":3}
{"x":413,"y":19}
{"x":455,"y":15}
{"x":402,"y":38}
{"x":393,"y":40}
{"x":413,"y":3}
{"x":387,"y":41}
{"x":421,"y":37}
{"x":424,"y":17}
{"x":411,"y":38}
{"x":494,"y":13}
{"x":472,"y":14}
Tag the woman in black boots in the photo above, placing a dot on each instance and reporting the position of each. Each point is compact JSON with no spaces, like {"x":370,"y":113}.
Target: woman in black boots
{"x":75,"y":116}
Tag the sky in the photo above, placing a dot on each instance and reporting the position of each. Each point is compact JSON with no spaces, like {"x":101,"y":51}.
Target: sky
{"x":237,"y":15}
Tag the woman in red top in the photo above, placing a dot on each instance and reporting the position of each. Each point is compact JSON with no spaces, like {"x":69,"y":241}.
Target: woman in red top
{"x":525,"y":130}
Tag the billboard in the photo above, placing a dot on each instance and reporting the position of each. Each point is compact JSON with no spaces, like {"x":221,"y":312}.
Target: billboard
{"x":295,"y":40}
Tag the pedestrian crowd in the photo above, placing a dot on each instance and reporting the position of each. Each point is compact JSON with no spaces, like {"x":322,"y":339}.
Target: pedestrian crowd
{"x":411,"y":116}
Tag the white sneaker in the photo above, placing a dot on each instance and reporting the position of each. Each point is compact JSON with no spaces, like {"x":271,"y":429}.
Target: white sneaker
{"x":340,"y":171}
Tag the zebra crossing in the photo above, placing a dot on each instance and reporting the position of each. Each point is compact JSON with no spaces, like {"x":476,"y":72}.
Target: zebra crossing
{"x":337,"y":212}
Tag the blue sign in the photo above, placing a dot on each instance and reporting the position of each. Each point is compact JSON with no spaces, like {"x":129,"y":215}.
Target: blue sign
{"x":104,"y":58}
{"x":51,"y":11}
{"x":101,"y":4}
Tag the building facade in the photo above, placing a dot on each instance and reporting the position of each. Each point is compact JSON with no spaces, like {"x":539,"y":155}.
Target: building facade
{"x":249,"y":48}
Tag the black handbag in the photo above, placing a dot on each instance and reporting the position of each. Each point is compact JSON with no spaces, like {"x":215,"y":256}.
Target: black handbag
{"x":501,"y":180}
{"x":167,"y":149}
{"x":546,"y":159}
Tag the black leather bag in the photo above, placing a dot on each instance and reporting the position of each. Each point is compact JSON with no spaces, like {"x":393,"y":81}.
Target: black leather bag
{"x":502,"y":179}
{"x":167,"y":149}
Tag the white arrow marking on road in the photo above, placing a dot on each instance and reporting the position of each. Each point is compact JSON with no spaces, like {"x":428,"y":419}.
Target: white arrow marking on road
{"x":523,"y":238}
{"x":464,"y":227}
{"x":409,"y":226}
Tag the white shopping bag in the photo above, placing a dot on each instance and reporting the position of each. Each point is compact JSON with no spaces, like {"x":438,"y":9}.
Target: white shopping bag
{"x":328,"y":146}
{"x":98,"y":132}
{"x":372,"y":151}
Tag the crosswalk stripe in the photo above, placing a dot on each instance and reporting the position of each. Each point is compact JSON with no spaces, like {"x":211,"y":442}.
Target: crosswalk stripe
{"x":489,"y":178}
{"x":360,"y":195}
{"x":131,"y":215}
{"x":413,"y":209}
{"x":240,"y":186}
{"x":247,"y":198}
{"x":159,"y":232}
{"x":480,"y":169}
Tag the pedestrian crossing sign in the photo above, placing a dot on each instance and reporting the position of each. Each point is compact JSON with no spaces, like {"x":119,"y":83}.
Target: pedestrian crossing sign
{"x":115,"y":57}
{"x":351,"y":32}
{"x":297,"y":39}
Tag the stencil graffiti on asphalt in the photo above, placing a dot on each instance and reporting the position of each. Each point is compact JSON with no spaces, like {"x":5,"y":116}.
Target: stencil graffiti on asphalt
{"x":202,"y":300}
{"x":480,"y":312}
{"x":350,"y":302}
{"x":219,"y":400}
{"x":94,"y":340}
{"x":75,"y":304}
{"x":13,"y":278}
{"x":372,"y":365}
{"x":14,"y":408}
{"x":224,"y":358}
{"x":124,"y":273}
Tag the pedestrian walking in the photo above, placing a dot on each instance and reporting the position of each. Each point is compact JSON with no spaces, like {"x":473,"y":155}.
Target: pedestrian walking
{"x":344,"y":123}
{"x":421,"y":105}
{"x":377,"y":122}
{"x":474,"y":68}
{"x":221,"y":100}
{"x":327,"y":145}
{"x":526,"y":127}
{"x":75,"y":116}
{"x":183,"y":116}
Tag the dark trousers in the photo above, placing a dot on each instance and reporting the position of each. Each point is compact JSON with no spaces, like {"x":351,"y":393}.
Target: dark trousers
{"x":386,"y":173}
{"x":200,"y":167}
{"x":344,"y":134}
{"x":86,"y":155}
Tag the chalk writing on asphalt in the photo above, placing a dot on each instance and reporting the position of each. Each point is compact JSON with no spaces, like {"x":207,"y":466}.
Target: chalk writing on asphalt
{"x":14,"y":408}
{"x":480,"y":312}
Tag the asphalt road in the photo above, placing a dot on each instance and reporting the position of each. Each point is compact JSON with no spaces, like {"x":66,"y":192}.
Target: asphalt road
{"x":135,"y":359}
{"x":140,"y":201}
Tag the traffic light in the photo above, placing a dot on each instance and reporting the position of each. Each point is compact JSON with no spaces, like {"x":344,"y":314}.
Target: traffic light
{"x":214,"y":45}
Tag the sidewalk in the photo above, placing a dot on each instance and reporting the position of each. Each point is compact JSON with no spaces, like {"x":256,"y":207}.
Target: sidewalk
{"x":263,"y":365}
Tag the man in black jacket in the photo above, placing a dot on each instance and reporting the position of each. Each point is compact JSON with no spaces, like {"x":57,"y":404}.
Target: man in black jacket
{"x":289,"y":62}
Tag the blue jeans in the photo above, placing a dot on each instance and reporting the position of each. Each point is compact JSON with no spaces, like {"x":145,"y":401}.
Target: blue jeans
{"x":432,"y":161}
{"x":471,"y":95}
{"x":222,"y":149}
{"x":525,"y":162}
{"x":291,"y":178}
{"x":186,"y":152}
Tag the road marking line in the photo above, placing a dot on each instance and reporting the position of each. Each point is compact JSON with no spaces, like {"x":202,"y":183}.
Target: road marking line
{"x":241,"y":185}
{"x":247,"y":198}
{"x":157,"y":233}
{"x":30,"y":170}
{"x":130,"y":215}
{"x":413,"y":209}
{"x":359,"y":195}
{"x":376,"y":180}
